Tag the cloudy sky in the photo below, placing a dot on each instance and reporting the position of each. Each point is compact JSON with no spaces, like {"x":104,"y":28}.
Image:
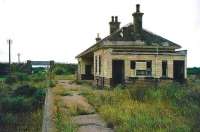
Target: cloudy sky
{"x":60,"y":29}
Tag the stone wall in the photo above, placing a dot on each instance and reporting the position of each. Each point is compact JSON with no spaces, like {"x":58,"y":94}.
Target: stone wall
{"x":105,"y":77}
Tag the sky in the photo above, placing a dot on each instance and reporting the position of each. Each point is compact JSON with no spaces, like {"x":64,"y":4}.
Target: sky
{"x":61,"y":29}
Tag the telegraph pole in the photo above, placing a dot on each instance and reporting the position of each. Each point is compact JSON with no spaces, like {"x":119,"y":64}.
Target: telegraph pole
{"x":9,"y":43}
{"x":18,"y":55}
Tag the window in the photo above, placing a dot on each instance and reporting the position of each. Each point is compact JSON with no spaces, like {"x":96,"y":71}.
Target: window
{"x":148,"y":64}
{"x":99,"y":64}
{"x":149,"y":67}
{"x":141,"y":72}
{"x":132,"y":65}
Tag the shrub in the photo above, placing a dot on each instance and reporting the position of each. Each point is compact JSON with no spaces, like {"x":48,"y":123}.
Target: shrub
{"x":11,"y":79}
{"x":40,"y":76}
{"x":52,"y":84}
{"x":25,"y":90}
{"x":7,"y":118}
{"x":59,"y":71}
{"x":22,"y":76}
{"x":16,"y":104}
{"x":39,"y":97}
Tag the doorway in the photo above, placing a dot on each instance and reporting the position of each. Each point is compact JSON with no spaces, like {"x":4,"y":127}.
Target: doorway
{"x":118,"y":72}
{"x":179,"y":70}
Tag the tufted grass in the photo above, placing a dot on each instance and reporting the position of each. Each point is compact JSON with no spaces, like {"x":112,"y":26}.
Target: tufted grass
{"x":167,"y":107}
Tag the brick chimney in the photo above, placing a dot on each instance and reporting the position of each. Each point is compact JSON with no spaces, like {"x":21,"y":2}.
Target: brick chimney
{"x":137,"y":18}
{"x":114,"y":24}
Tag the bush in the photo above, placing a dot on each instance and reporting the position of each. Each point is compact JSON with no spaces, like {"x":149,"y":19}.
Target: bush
{"x":16,"y":104}
{"x":25,"y":90}
{"x":7,"y":118}
{"x":39,"y":97}
{"x":11,"y":79}
{"x":65,"y":69}
{"x":59,"y":71}
{"x":38,"y":77}
{"x":52,"y":84}
{"x":22,"y":76}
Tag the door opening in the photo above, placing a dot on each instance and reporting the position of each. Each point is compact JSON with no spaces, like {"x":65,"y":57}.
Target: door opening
{"x":164,"y":69}
{"x":179,"y":70}
{"x":118,"y":72}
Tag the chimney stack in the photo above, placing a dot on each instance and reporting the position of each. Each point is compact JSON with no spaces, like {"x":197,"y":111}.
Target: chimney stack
{"x":114,"y":24}
{"x":137,"y":18}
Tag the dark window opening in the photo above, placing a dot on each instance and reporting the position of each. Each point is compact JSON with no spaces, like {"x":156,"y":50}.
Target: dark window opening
{"x":148,"y":64}
{"x":149,"y":68}
{"x":132,"y":64}
{"x":141,"y":72}
{"x":95,"y":64}
{"x":164,"y":68}
{"x":99,"y":64}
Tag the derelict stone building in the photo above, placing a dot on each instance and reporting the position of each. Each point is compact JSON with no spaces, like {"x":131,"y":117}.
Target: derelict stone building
{"x":129,"y":53}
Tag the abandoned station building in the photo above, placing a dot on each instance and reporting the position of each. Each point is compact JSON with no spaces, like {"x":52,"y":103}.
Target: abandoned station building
{"x":129,"y":53}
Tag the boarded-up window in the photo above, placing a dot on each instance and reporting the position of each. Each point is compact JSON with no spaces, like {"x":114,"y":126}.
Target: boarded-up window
{"x":141,"y":65}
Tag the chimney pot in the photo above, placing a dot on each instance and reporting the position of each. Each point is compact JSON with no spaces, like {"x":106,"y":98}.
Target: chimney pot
{"x":112,"y":18}
{"x":114,"y":24}
{"x":138,"y":8}
{"x":116,"y":18}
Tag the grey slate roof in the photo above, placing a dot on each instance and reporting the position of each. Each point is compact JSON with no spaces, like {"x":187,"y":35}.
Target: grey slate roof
{"x":126,"y":33}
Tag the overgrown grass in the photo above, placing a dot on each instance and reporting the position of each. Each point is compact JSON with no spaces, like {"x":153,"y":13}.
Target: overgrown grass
{"x":63,"y":122}
{"x":65,"y":77}
{"x":62,"y":116}
{"x":167,"y":107}
{"x":19,"y":122}
{"x":21,"y":102}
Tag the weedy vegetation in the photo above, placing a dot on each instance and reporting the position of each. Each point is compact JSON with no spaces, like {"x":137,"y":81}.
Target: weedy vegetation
{"x":21,"y":101}
{"x":168,"y":106}
{"x":62,"y":115}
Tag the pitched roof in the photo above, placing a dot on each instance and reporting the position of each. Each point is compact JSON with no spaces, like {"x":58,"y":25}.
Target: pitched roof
{"x":127,"y":34}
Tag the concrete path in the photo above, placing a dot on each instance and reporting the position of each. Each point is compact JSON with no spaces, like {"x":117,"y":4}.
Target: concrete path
{"x":91,"y":123}
{"x":86,"y":123}
{"x":48,"y":125}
